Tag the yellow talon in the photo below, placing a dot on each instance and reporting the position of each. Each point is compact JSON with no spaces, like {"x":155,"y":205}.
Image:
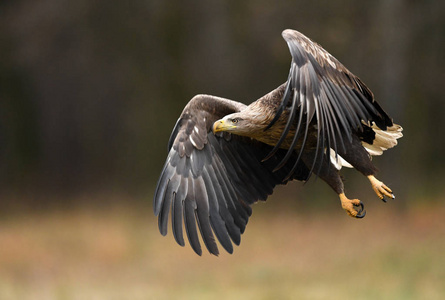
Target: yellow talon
{"x":348,"y":205}
{"x":380,"y":188}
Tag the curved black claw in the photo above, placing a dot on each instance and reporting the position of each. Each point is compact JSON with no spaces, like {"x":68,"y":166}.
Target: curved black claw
{"x":361,"y":213}
{"x":384,"y":199}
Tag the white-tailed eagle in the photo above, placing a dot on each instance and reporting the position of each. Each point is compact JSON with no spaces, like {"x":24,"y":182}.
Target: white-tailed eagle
{"x":224,"y":156}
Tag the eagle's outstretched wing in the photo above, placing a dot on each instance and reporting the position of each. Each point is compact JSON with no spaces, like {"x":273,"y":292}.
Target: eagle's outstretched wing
{"x":209,"y":181}
{"x":321,"y":92}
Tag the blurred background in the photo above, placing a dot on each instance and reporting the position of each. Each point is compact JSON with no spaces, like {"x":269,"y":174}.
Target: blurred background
{"x":90,"y":90}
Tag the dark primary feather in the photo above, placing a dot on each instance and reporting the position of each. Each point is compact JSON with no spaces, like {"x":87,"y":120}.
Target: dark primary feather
{"x":209,"y":181}
{"x":326,"y":95}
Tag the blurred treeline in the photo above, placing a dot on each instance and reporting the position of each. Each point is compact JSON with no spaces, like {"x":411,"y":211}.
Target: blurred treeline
{"x":90,"y":90}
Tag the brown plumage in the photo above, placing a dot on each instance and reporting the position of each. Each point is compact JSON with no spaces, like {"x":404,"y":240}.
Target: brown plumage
{"x":225,"y":156}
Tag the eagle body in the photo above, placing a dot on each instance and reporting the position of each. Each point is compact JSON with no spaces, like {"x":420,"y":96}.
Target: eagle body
{"x":224,"y":156}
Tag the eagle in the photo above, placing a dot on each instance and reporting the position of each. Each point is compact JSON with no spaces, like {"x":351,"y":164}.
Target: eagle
{"x":224,"y":156}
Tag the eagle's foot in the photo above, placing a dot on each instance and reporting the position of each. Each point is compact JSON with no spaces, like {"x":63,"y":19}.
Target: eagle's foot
{"x":380,"y":188}
{"x":350,"y":207}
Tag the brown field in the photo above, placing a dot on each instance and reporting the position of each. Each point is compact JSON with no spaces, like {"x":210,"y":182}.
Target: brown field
{"x":89,"y":253}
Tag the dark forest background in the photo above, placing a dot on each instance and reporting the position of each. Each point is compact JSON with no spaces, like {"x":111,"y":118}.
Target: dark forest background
{"x":90,"y":90}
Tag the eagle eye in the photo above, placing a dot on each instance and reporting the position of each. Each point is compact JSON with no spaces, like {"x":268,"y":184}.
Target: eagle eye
{"x":235,"y":120}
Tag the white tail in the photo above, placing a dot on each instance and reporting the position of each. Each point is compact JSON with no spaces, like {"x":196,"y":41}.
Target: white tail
{"x":384,"y":139}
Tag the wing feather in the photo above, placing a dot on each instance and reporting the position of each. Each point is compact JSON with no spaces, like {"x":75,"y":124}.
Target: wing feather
{"x":190,"y":217}
{"x":177,"y":208}
{"x":209,"y":181}
{"x":332,"y":98}
{"x":202,"y":215}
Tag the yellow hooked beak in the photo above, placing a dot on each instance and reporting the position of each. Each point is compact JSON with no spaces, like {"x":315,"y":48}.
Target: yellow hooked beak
{"x":222,"y":125}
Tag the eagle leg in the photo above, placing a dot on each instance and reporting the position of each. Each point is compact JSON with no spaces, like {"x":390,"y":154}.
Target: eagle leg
{"x":349,"y":206}
{"x":358,"y":157}
{"x":380,"y":188}
{"x":326,"y":171}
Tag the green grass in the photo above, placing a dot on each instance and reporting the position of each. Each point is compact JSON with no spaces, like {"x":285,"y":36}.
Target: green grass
{"x":119,"y":254}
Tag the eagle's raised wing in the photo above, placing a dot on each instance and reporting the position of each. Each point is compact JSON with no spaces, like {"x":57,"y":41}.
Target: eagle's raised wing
{"x":209,"y":181}
{"x":321,"y":92}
